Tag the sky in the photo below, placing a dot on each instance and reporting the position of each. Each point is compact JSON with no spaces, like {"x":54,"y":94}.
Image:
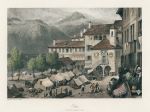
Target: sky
{"x":55,"y":14}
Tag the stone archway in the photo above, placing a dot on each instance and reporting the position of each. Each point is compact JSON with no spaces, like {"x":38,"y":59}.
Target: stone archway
{"x":99,"y":70}
{"x":107,"y":70}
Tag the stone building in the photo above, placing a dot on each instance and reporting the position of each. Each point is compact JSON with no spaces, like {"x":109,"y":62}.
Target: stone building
{"x":74,"y":49}
{"x":103,"y":48}
{"x":132,"y":36}
{"x":99,"y":46}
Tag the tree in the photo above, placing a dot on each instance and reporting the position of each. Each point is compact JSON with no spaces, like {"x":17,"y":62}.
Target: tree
{"x":49,"y":59}
{"x":32,"y":65}
{"x":16,"y":60}
{"x":10,"y":66}
{"x":41,"y":63}
{"x":52,"y":60}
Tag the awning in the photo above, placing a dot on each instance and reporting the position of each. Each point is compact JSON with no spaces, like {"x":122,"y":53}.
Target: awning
{"x":46,"y":82}
{"x":78,"y":82}
{"x":83,"y":79}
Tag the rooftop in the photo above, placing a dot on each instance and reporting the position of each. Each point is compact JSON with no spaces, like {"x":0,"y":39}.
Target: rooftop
{"x":105,"y":44}
{"x":98,"y":29}
{"x":68,"y":44}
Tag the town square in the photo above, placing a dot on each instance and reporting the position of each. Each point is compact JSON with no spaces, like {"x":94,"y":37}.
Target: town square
{"x":74,"y":53}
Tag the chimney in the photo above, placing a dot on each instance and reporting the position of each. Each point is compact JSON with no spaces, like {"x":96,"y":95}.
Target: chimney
{"x":90,"y":23}
{"x":54,"y":42}
{"x":81,"y":34}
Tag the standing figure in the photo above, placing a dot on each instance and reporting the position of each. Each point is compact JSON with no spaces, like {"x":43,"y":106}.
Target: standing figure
{"x":82,"y":88}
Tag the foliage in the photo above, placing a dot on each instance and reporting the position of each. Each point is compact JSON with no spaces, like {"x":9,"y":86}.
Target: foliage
{"x":52,"y":60}
{"x":40,"y":63}
{"x":32,"y":64}
{"x":15,"y":60}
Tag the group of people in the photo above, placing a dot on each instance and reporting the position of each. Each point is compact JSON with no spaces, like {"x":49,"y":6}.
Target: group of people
{"x":54,"y":92}
{"x":95,"y":88}
{"x":133,"y":77}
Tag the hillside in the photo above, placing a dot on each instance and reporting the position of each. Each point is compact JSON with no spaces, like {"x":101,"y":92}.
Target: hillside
{"x":32,"y":36}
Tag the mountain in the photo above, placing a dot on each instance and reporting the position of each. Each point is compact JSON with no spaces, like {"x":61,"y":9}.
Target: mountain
{"x":32,"y":36}
{"x":75,"y":16}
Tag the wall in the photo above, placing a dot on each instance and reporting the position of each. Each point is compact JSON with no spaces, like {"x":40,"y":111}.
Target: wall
{"x":89,"y":40}
{"x":73,"y":53}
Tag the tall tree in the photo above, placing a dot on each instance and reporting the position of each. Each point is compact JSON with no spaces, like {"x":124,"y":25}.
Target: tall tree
{"x":10,"y":66}
{"x":32,"y":65}
{"x":16,"y":58}
{"x":49,"y":59}
{"x":41,"y":63}
{"x":53,"y":60}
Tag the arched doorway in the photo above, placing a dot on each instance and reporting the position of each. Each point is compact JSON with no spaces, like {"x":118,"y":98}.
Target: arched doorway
{"x":99,"y":70}
{"x":107,"y":70}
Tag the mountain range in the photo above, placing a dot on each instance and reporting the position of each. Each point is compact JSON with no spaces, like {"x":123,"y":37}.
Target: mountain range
{"x":32,"y":30}
{"x":32,"y":36}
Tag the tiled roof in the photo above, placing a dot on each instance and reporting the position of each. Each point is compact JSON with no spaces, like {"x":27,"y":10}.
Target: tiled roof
{"x":98,"y":29}
{"x":68,"y":44}
{"x":105,"y":44}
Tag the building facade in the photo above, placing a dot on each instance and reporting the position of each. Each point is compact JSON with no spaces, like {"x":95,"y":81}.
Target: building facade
{"x":132,"y":36}
{"x":74,"y":49}
{"x":99,"y":46}
{"x":103,"y":48}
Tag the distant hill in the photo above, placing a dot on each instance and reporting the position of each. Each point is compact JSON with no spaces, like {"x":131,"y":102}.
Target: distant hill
{"x":75,"y":16}
{"x":32,"y":36}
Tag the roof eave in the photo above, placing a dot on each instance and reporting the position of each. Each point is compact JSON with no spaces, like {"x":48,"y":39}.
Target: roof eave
{"x":120,"y":12}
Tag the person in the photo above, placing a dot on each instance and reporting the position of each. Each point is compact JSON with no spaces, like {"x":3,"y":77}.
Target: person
{"x":92,"y":87}
{"x":97,"y":87}
{"x":50,"y":92}
{"x":82,"y":88}
{"x":139,"y":79}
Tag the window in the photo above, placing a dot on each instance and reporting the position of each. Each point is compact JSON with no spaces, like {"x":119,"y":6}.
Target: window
{"x":83,"y":49}
{"x":122,"y":38}
{"x":103,"y":59}
{"x":70,"y":49}
{"x":67,"y":50}
{"x":112,"y":33}
{"x":75,"y":49}
{"x":139,"y":12}
{"x":89,"y":58}
{"x":133,"y":31}
{"x":134,"y":46}
{"x":132,"y":28}
{"x":140,"y":28}
{"x":89,"y":47}
{"x":100,"y":37}
{"x":62,"y":49}
{"x":95,"y":37}
{"x":127,"y":35}
{"x":59,"y":49}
